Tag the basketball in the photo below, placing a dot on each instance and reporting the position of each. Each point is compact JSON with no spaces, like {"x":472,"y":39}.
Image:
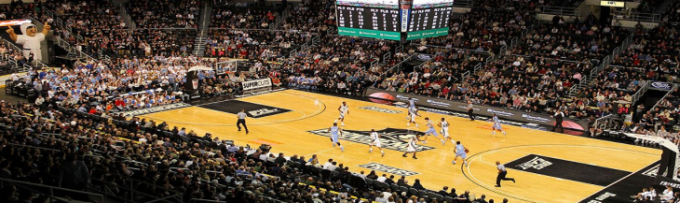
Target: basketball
{"x":467,"y":151}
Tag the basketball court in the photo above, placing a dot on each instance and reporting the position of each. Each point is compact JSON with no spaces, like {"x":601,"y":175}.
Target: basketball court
{"x":549,"y":167}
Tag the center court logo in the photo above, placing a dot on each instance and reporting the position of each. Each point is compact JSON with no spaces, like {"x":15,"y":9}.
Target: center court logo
{"x":389,"y":169}
{"x":381,"y":110}
{"x":391,"y":138}
{"x":537,"y":163}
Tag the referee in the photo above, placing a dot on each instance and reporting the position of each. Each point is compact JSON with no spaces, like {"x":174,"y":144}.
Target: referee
{"x":559,"y":118}
{"x":242,"y":120}
{"x":501,"y":174}
{"x":470,"y":109}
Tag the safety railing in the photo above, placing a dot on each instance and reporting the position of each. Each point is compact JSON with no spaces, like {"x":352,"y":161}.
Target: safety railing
{"x":675,"y":86}
{"x":643,"y":17}
{"x":396,"y":67}
{"x":50,"y":191}
{"x":463,"y":3}
{"x":559,"y":10}
{"x":126,"y":17}
{"x":605,"y":122}
{"x":635,"y":97}
{"x":128,"y":192}
{"x":464,"y":76}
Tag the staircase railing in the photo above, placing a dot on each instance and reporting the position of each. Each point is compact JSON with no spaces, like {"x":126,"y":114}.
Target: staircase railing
{"x":635,"y":97}
{"x":675,"y":86}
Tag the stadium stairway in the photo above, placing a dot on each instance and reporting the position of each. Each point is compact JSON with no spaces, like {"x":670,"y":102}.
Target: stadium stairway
{"x":649,"y":99}
{"x":203,"y":29}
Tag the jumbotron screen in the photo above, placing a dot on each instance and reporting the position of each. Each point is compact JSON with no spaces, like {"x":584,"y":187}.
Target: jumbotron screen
{"x":420,"y":4}
{"x":368,"y":18}
{"x":430,"y":14}
{"x":387,"y":4}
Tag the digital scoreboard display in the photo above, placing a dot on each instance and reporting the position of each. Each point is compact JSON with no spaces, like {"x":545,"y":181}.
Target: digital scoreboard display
{"x":388,"y":19}
{"x":429,"y":18}
{"x":430,"y":14}
{"x":368,"y":18}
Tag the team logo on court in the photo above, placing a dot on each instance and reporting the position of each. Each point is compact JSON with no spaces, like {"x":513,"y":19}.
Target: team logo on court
{"x":381,"y":110}
{"x":536,"y":163}
{"x":388,"y":169}
{"x":391,"y":138}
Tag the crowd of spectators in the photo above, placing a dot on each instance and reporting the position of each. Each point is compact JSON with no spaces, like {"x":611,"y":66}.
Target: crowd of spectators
{"x":573,"y":41}
{"x":242,"y":15}
{"x":490,"y":25}
{"x":164,"y":14}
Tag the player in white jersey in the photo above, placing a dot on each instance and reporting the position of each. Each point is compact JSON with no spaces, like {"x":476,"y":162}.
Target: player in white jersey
{"x":445,"y":131}
{"x":375,"y":141}
{"x":411,"y":118}
{"x":431,"y":130}
{"x":460,"y":151}
{"x":343,"y":109}
{"x":412,"y":146}
{"x":412,"y":103}
{"x":335,"y":135}
{"x":496,"y":125}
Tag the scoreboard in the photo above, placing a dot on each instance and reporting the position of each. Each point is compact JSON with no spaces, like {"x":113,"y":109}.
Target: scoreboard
{"x":429,"y":18}
{"x":389,"y":19}
{"x":368,"y":18}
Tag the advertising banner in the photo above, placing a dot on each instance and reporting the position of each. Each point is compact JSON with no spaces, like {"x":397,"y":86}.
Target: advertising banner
{"x":427,"y":33}
{"x":386,"y":97}
{"x":369,"y":33}
{"x":254,"y":84}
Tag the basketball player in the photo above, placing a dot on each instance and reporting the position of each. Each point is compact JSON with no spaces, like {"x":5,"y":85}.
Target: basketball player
{"x":411,"y":118}
{"x":431,"y":130}
{"x":412,"y":103}
{"x":460,"y":151}
{"x":344,"y":109}
{"x":496,"y":125}
{"x":335,"y":133}
{"x":412,"y":148}
{"x":375,"y":141}
{"x":445,"y":131}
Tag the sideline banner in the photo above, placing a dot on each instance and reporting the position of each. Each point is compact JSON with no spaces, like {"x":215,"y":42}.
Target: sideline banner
{"x":386,"y":97}
{"x":254,"y":84}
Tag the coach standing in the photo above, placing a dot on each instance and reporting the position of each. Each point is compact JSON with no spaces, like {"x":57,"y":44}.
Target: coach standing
{"x":501,"y":174}
{"x":242,"y":120}
{"x":559,"y":117}
{"x":470,"y":109}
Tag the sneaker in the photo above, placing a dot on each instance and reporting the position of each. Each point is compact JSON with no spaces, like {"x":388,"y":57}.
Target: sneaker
{"x":443,"y":142}
{"x":513,"y":180}
{"x":505,"y":134}
{"x":454,"y":162}
{"x":415,"y":157}
{"x":383,"y":154}
{"x":343,"y":124}
{"x":408,"y":124}
{"x":416,"y":125}
{"x":404,"y":155}
{"x":498,"y":186}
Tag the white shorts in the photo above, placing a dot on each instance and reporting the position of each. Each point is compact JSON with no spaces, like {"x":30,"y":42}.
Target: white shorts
{"x":342,"y":116}
{"x":445,"y":132}
{"x":376,"y":143}
{"x":410,"y":149}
